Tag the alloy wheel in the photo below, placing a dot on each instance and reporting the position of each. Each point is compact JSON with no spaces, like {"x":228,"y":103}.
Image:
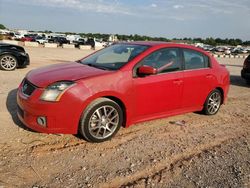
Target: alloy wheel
{"x":8,"y":62}
{"x":103,"y":122}
{"x":214,"y":102}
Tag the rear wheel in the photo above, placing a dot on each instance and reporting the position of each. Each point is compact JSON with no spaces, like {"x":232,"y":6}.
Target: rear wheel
{"x":8,"y":62}
{"x":101,"y":120}
{"x":213,"y":102}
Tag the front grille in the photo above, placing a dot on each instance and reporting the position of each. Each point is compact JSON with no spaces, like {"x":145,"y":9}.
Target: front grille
{"x":28,"y":88}
{"x":20,"y":111}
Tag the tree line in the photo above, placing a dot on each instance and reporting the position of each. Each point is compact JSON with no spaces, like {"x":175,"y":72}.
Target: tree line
{"x":218,"y":41}
{"x":210,"y":41}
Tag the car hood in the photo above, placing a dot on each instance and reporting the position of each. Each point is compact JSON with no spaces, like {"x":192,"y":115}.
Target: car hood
{"x":11,"y":46}
{"x":42,"y":77}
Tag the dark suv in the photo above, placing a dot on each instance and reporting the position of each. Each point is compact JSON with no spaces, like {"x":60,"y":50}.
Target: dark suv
{"x":59,"y":40}
{"x":12,"y":56}
{"x":245,"y":72}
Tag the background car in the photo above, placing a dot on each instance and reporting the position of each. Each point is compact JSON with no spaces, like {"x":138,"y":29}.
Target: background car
{"x":79,"y":42}
{"x":12,"y":56}
{"x":58,"y":40}
{"x":28,"y":38}
{"x":41,"y":39}
{"x":245,"y":72}
{"x":121,"y":85}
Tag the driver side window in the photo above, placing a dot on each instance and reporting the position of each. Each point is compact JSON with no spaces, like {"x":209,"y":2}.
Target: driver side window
{"x":164,"y":60}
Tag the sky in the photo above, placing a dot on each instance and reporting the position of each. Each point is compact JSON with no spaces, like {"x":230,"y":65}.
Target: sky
{"x":156,"y":18}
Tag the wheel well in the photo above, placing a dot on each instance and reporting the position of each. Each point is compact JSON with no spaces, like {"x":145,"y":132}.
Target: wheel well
{"x":121,"y":104}
{"x":222,"y":94}
{"x":10,"y":53}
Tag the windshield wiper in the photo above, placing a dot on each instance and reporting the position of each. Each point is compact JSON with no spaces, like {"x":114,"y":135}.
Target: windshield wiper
{"x":97,"y":66}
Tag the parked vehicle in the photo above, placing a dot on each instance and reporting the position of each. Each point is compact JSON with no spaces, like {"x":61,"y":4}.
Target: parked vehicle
{"x":73,"y":38}
{"x":58,"y":40}
{"x":12,"y":56}
{"x":219,"y":49}
{"x":79,"y":42}
{"x":15,"y":36}
{"x":245,"y":72}
{"x":236,"y":51}
{"x":208,"y":48}
{"x":29,"y":38}
{"x":99,"y":43}
{"x":91,"y":42}
{"x":121,"y":85}
{"x":41,"y":40}
{"x":227,"y":52}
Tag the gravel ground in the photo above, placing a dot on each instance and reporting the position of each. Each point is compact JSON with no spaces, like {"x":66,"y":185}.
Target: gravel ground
{"x":206,"y":151}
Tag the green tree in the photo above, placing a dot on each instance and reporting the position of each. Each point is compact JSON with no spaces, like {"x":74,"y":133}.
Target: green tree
{"x":2,"y":26}
{"x":210,"y":41}
{"x":247,"y":43}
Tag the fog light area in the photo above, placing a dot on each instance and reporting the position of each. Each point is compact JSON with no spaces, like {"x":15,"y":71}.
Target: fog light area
{"x":41,"y":120}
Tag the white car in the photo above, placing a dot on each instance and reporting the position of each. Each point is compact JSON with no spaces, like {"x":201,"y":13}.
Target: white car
{"x":41,"y":40}
{"x":100,"y":43}
{"x":227,"y":52}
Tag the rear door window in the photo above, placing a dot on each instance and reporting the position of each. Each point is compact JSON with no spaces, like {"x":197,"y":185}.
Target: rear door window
{"x":195,"y":60}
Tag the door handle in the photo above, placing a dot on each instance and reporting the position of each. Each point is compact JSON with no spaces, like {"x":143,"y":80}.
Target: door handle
{"x":178,"y":82}
{"x":209,"y":76}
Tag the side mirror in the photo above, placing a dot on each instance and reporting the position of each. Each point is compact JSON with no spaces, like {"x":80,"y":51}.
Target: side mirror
{"x":146,"y":70}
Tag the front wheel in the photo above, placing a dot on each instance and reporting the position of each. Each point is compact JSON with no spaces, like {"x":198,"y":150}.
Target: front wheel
{"x":213,"y":102}
{"x":8,"y":62}
{"x":101,"y":120}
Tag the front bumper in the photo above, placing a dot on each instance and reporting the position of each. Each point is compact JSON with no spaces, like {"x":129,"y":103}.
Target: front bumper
{"x":23,"y":60}
{"x":245,"y":73}
{"x":60,"y":116}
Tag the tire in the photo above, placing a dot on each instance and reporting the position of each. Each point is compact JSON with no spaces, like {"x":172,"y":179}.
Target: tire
{"x":101,"y":120}
{"x":8,"y":62}
{"x":248,"y":82}
{"x":213,"y":103}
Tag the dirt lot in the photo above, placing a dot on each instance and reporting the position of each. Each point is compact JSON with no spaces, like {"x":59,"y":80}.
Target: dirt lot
{"x":205,"y":152}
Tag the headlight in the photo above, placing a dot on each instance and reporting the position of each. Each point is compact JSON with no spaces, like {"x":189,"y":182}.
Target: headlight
{"x":23,"y":53}
{"x":55,"y":91}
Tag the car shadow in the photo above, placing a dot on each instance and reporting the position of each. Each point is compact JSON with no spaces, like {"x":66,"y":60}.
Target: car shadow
{"x":238,"y":81}
{"x":11,"y":104}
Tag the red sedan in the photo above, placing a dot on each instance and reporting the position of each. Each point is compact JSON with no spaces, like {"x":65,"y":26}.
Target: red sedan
{"x":27,"y":38}
{"x":121,"y":85}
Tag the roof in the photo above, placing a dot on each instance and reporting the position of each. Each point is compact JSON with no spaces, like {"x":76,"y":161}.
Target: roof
{"x":148,"y":43}
{"x":165,"y":44}
{"x":157,"y":43}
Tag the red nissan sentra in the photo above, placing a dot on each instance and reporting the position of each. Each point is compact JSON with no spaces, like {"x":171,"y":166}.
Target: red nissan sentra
{"x":121,"y":85}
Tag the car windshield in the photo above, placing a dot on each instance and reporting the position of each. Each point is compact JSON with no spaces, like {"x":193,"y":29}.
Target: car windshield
{"x":114,"y":57}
